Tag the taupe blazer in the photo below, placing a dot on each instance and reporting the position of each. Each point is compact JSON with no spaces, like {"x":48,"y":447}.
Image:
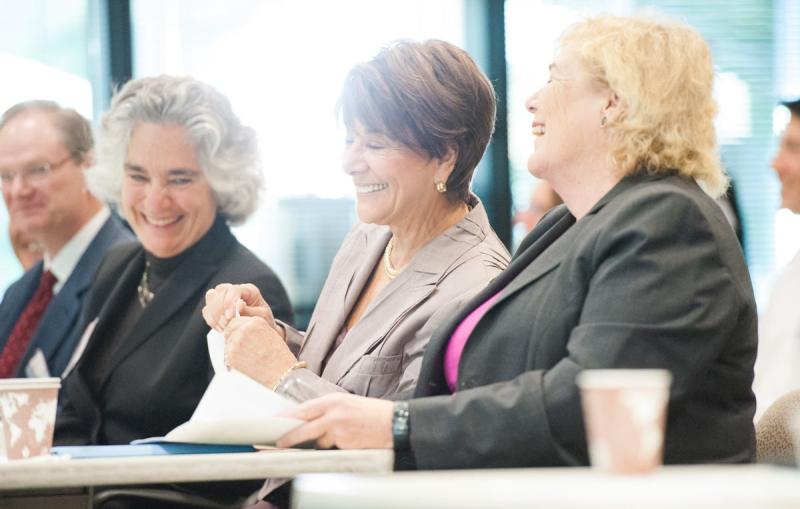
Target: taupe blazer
{"x":382,"y":354}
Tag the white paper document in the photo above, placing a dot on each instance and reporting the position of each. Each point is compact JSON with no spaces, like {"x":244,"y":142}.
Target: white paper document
{"x":235,"y":409}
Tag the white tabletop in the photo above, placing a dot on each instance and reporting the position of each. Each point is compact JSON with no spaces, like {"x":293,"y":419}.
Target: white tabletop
{"x":684,"y":487}
{"x":44,"y":473}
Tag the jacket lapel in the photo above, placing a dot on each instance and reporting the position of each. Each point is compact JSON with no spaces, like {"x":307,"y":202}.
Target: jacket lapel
{"x":65,"y":308}
{"x":403,"y":294}
{"x":130,"y":273}
{"x":541,"y":257}
{"x":396,"y":300}
{"x":351,"y":276}
{"x":62,"y":311}
{"x":182,"y":286}
{"x":362,"y":274}
{"x":543,"y":235}
{"x":521,"y":272}
{"x":179,"y":288}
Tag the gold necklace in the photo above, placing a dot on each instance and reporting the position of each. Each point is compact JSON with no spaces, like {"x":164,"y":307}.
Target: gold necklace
{"x":143,"y":290}
{"x":387,"y":261}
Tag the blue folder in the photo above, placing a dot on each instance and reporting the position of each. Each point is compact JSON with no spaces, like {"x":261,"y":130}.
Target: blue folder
{"x":152,"y":449}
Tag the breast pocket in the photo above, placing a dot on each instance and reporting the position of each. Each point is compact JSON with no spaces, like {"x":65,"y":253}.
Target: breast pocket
{"x":374,"y":375}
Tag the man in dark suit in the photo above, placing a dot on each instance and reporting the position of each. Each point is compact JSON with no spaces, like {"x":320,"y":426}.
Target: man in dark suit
{"x":44,"y":150}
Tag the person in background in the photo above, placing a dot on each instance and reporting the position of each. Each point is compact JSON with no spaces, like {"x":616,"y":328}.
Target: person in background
{"x":638,"y":269}
{"x":779,"y":329}
{"x":419,"y":116}
{"x":44,"y":153}
{"x":180,"y":167}
{"x":542,"y":199}
{"x":26,"y":250}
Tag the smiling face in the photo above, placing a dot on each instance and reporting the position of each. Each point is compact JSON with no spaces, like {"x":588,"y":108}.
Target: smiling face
{"x":787,"y":165}
{"x":53,"y":208}
{"x":395,"y":186}
{"x":567,"y":120}
{"x":165,"y":195}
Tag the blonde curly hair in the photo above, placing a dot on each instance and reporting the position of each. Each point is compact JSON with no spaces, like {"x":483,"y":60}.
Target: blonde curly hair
{"x":662,"y":73}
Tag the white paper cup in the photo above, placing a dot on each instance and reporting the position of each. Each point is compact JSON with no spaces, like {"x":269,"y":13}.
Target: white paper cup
{"x":625,"y":415}
{"x":28,"y":413}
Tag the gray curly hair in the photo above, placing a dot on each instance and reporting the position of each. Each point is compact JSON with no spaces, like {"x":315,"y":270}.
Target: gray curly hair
{"x":226,"y":149}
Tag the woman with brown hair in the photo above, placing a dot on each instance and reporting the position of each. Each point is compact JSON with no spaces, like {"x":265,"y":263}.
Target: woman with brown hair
{"x":418,"y":118}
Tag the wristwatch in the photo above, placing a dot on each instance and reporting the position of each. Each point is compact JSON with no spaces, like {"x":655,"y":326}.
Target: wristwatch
{"x":400,"y":426}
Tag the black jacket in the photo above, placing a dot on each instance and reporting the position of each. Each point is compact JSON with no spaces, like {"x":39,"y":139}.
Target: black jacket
{"x":651,"y":277}
{"x":157,"y":376}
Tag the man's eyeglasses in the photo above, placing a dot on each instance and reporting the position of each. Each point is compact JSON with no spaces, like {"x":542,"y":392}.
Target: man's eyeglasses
{"x":33,"y":173}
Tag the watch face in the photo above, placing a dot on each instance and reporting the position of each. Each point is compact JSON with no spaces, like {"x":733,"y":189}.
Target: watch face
{"x":400,"y":435}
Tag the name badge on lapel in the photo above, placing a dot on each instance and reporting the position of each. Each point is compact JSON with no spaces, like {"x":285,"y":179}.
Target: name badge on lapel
{"x":37,"y":366}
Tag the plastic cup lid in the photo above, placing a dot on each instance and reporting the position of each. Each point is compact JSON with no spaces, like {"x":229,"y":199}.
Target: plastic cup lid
{"x":614,"y":378}
{"x":16,"y":384}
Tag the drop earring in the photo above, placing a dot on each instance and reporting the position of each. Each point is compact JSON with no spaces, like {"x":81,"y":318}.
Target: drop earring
{"x":603,"y":121}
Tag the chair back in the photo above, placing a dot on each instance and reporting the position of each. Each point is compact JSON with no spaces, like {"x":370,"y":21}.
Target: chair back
{"x":774,"y":442}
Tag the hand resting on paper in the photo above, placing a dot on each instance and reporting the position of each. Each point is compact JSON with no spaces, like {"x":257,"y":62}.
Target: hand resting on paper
{"x":345,"y":421}
{"x":256,"y":349}
{"x":225,"y":300}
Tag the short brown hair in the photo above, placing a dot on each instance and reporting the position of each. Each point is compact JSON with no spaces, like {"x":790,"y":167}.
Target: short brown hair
{"x":76,"y":132}
{"x":431,"y":97}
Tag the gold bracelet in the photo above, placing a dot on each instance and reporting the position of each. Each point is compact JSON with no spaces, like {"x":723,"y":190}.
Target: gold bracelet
{"x":296,"y":365}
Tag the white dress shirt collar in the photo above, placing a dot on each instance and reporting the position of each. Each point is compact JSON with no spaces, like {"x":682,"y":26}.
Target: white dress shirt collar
{"x":63,"y":263}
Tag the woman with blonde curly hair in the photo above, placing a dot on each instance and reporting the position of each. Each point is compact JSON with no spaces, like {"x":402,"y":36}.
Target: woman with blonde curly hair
{"x":638,"y":269}
{"x":180,"y":168}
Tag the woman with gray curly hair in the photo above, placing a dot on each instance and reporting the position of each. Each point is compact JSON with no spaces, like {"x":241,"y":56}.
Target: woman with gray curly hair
{"x":180,"y":167}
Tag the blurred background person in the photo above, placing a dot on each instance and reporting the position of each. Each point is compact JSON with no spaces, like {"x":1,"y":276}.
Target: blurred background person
{"x":180,"y":166}
{"x":779,"y":328}
{"x":44,"y":151}
{"x":542,"y":199}
{"x":638,"y":269}
{"x":26,"y":250}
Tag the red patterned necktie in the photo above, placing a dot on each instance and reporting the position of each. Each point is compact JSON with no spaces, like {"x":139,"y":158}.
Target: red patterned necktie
{"x":23,"y":330}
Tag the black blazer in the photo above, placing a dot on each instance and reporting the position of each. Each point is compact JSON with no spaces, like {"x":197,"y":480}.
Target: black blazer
{"x":651,"y":277}
{"x":156,"y":377}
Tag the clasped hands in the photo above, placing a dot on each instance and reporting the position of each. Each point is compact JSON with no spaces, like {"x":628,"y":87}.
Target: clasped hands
{"x":255,"y":345}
